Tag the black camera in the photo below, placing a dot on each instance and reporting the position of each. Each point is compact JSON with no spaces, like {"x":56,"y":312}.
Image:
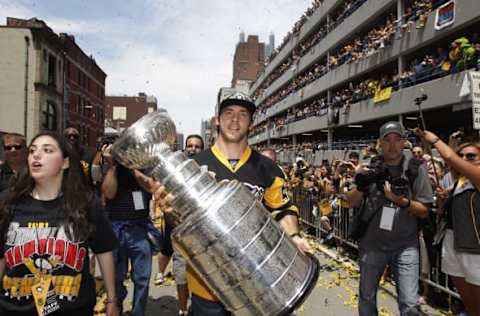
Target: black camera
{"x":399,"y":186}
{"x":377,"y":173}
{"x":106,"y":140}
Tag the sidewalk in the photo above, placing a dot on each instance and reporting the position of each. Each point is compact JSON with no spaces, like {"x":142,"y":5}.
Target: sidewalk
{"x":334,"y":295}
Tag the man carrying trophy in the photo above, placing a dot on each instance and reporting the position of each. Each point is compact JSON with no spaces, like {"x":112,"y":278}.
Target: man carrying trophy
{"x":231,"y":158}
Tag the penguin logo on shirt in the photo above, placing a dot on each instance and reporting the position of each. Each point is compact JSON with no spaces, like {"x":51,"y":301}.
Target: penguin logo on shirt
{"x":256,"y":190}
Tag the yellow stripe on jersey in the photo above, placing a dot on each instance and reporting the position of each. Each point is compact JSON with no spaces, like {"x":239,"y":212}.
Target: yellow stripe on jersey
{"x":224,"y":160}
{"x":276,"y":196}
{"x":198,"y":287}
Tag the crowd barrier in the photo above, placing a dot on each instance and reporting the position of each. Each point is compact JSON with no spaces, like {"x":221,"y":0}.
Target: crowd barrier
{"x":311,"y":204}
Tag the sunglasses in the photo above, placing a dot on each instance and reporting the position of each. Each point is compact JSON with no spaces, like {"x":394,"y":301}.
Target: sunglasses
{"x":468,"y":156}
{"x":72,"y":136}
{"x":10,"y":147}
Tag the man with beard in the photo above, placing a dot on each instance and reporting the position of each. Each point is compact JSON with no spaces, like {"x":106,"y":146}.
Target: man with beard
{"x":232,"y":158}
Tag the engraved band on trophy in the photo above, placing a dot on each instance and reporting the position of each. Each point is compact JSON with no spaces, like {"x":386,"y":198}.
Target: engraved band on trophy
{"x":225,"y":233}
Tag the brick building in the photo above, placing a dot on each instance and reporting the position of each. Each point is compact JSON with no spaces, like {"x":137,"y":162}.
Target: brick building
{"x":248,"y":60}
{"x":84,"y":92}
{"x":123,"y":111}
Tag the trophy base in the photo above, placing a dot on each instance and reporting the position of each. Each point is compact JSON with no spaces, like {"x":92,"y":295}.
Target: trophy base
{"x":310,"y":284}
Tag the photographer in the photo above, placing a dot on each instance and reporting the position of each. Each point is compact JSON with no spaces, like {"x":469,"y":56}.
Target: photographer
{"x":99,"y":168}
{"x":395,"y":190}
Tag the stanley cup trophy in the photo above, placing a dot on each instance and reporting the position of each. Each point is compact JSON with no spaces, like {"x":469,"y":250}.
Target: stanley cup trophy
{"x":225,"y":233}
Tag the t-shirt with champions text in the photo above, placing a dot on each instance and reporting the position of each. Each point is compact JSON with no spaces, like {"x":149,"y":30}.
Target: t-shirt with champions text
{"x":36,"y":241}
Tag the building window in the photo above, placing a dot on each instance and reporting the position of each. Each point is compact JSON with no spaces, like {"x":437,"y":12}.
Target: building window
{"x":52,"y":71}
{"x":67,"y":68}
{"x":82,"y":106}
{"x":150,"y":109}
{"x":49,"y":116}
{"x":119,"y":113}
{"x":77,"y":106}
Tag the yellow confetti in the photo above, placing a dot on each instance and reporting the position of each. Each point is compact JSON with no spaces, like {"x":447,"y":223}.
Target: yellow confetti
{"x":383,"y":311}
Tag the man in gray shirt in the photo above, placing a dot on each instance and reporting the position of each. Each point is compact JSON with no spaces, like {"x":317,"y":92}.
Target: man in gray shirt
{"x":396,"y":192}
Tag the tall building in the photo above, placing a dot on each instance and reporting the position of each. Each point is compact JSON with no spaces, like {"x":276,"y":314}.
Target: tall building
{"x":180,"y":142}
{"x":123,"y":111}
{"x":241,"y":38}
{"x":84,"y":92}
{"x":31,"y":84}
{"x":248,"y":60}
{"x":270,"y":46}
{"x":208,"y":131}
{"x":337,"y":100}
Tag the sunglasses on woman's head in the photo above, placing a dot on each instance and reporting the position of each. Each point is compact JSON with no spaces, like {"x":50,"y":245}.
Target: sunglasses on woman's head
{"x":468,"y":156}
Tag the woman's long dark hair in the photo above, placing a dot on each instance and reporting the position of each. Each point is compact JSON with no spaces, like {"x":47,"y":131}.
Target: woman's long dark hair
{"x":77,"y":197}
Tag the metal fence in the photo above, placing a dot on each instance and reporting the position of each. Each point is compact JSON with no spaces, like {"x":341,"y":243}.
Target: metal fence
{"x":340,"y":216}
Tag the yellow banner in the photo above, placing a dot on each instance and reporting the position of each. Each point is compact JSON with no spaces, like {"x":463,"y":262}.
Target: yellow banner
{"x":382,"y":95}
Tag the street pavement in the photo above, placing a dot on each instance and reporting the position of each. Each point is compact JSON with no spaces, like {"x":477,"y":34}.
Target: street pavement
{"x":334,"y":295}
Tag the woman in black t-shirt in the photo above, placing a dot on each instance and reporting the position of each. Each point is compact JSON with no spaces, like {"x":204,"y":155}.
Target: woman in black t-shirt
{"x":461,"y":244}
{"x":48,"y":220}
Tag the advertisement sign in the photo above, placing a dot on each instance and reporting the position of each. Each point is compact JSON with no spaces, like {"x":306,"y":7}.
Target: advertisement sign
{"x":445,"y":15}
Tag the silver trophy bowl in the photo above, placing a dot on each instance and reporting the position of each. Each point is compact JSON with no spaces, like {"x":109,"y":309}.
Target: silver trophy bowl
{"x":225,"y":234}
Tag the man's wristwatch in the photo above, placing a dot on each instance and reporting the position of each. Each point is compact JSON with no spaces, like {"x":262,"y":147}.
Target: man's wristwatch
{"x":295,"y":235}
{"x":408,"y":203}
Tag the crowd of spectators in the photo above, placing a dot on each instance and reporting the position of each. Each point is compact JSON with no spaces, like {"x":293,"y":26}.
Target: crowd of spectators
{"x":336,"y":18}
{"x":416,"y":13}
{"x":355,"y":92}
{"x":462,"y":53}
{"x":319,"y":191}
{"x":308,"y":149}
{"x":359,"y":48}
{"x":296,"y":27}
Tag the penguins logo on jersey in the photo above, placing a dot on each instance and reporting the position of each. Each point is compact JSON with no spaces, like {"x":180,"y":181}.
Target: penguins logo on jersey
{"x":256,"y":190}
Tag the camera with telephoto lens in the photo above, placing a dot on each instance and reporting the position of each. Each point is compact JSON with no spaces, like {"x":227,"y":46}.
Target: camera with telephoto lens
{"x":377,"y":173}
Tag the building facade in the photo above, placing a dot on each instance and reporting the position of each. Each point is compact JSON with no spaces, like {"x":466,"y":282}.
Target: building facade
{"x":31,"y":85}
{"x":270,"y":47}
{"x":208,"y":131}
{"x":84,"y":92}
{"x":123,"y":111}
{"x":248,"y":59}
{"x":335,"y":81}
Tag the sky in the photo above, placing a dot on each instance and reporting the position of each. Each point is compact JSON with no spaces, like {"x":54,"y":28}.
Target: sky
{"x":180,"y":51}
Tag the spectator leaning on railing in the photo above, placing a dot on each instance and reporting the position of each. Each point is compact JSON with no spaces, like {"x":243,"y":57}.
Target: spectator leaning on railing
{"x":431,"y":66}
